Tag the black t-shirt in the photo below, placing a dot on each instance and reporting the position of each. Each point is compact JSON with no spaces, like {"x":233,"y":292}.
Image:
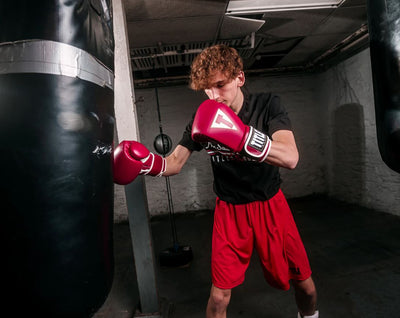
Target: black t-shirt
{"x":239,"y":180}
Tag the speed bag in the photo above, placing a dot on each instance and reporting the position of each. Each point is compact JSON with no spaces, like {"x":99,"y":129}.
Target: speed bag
{"x":56,"y":135}
{"x":384,"y":35}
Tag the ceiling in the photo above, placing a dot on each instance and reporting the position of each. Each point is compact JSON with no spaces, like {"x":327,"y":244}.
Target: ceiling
{"x":165,"y":35}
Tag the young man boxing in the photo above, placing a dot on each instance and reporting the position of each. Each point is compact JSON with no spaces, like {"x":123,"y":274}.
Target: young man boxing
{"x":248,"y":137}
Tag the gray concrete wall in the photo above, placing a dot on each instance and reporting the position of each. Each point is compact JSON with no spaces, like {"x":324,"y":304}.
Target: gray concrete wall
{"x":334,"y":124}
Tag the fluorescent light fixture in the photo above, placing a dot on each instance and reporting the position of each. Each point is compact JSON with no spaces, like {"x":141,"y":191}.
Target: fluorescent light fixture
{"x":243,"y":7}
{"x":238,"y":27}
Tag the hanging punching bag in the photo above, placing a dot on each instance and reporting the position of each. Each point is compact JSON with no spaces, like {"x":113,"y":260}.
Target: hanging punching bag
{"x":56,"y":134}
{"x":384,"y":35}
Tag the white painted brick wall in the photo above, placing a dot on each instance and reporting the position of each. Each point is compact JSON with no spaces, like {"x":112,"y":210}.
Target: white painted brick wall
{"x":297,"y":96}
{"x":191,"y":189}
{"x":356,"y":172}
{"x":333,"y":119}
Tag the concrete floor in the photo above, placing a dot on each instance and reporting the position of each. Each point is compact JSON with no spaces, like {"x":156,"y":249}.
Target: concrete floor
{"x":354,"y":253}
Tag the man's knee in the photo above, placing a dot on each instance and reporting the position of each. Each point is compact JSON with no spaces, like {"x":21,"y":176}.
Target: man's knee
{"x":220,"y":298}
{"x":305,"y":287}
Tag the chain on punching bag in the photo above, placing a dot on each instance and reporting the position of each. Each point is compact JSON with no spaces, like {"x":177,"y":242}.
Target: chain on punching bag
{"x":384,"y":35}
{"x":56,"y":134}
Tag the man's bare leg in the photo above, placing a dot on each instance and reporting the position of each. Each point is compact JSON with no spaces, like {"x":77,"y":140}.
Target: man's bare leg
{"x":218,"y":302}
{"x":306,"y":296}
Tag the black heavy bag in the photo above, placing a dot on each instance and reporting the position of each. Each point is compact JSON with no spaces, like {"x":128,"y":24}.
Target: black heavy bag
{"x":384,"y":35}
{"x":56,"y":134}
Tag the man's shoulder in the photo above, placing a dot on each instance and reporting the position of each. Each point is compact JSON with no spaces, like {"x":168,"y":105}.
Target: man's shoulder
{"x":263,"y":96}
{"x":263,"y":100}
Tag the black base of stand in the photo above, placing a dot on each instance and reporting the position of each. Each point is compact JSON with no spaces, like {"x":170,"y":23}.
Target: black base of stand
{"x":176,"y":256}
{"x":166,"y":310}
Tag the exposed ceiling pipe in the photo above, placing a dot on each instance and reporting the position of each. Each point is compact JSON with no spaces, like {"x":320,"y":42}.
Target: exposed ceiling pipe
{"x":350,"y":41}
{"x":167,"y":53}
{"x":164,"y":62}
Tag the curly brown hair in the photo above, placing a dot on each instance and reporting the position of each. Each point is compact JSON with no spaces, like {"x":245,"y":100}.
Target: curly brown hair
{"x":218,"y":57}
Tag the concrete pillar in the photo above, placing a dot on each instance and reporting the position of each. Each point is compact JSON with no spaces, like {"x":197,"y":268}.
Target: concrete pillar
{"x":135,"y":194}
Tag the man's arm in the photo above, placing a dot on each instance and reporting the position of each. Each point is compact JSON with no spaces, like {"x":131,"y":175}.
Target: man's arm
{"x":176,"y":160}
{"x":283,"y":151}
{"x":131,"y":158}
{"x":218,"y":123}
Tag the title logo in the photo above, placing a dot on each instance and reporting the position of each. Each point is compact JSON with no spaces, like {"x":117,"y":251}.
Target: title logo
{"x":221,"y":120}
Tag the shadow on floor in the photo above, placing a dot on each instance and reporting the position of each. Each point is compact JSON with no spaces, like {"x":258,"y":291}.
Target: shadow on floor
{"x":354,"y":253}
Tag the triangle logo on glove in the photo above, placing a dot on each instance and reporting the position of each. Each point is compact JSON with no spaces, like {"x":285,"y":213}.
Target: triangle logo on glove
{"x":221,"y":120}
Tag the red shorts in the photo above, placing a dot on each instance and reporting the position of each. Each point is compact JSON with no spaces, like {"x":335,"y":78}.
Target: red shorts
{"x":269,"y":227}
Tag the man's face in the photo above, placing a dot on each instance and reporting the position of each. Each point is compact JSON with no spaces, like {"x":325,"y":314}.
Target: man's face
{"x":224,"y":90}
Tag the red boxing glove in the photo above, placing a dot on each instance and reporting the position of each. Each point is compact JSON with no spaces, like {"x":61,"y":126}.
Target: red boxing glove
{"x":131,"y":158}
{"x":217,"y":122}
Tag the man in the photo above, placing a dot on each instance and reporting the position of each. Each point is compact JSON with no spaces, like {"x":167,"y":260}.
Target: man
{"x":248,"y":138}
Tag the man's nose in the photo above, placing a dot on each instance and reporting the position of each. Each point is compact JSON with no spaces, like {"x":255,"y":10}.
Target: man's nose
{"x":214,"y":93}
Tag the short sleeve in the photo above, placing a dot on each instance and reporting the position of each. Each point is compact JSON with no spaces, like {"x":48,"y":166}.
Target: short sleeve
{"x":187,"y":140}
{"x":278,"y":117}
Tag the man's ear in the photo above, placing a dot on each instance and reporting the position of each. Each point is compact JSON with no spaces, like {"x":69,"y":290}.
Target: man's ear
{"x":241,"y":79}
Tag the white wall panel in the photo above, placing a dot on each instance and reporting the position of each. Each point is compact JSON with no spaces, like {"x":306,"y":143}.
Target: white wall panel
{"x":333,"y":119}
